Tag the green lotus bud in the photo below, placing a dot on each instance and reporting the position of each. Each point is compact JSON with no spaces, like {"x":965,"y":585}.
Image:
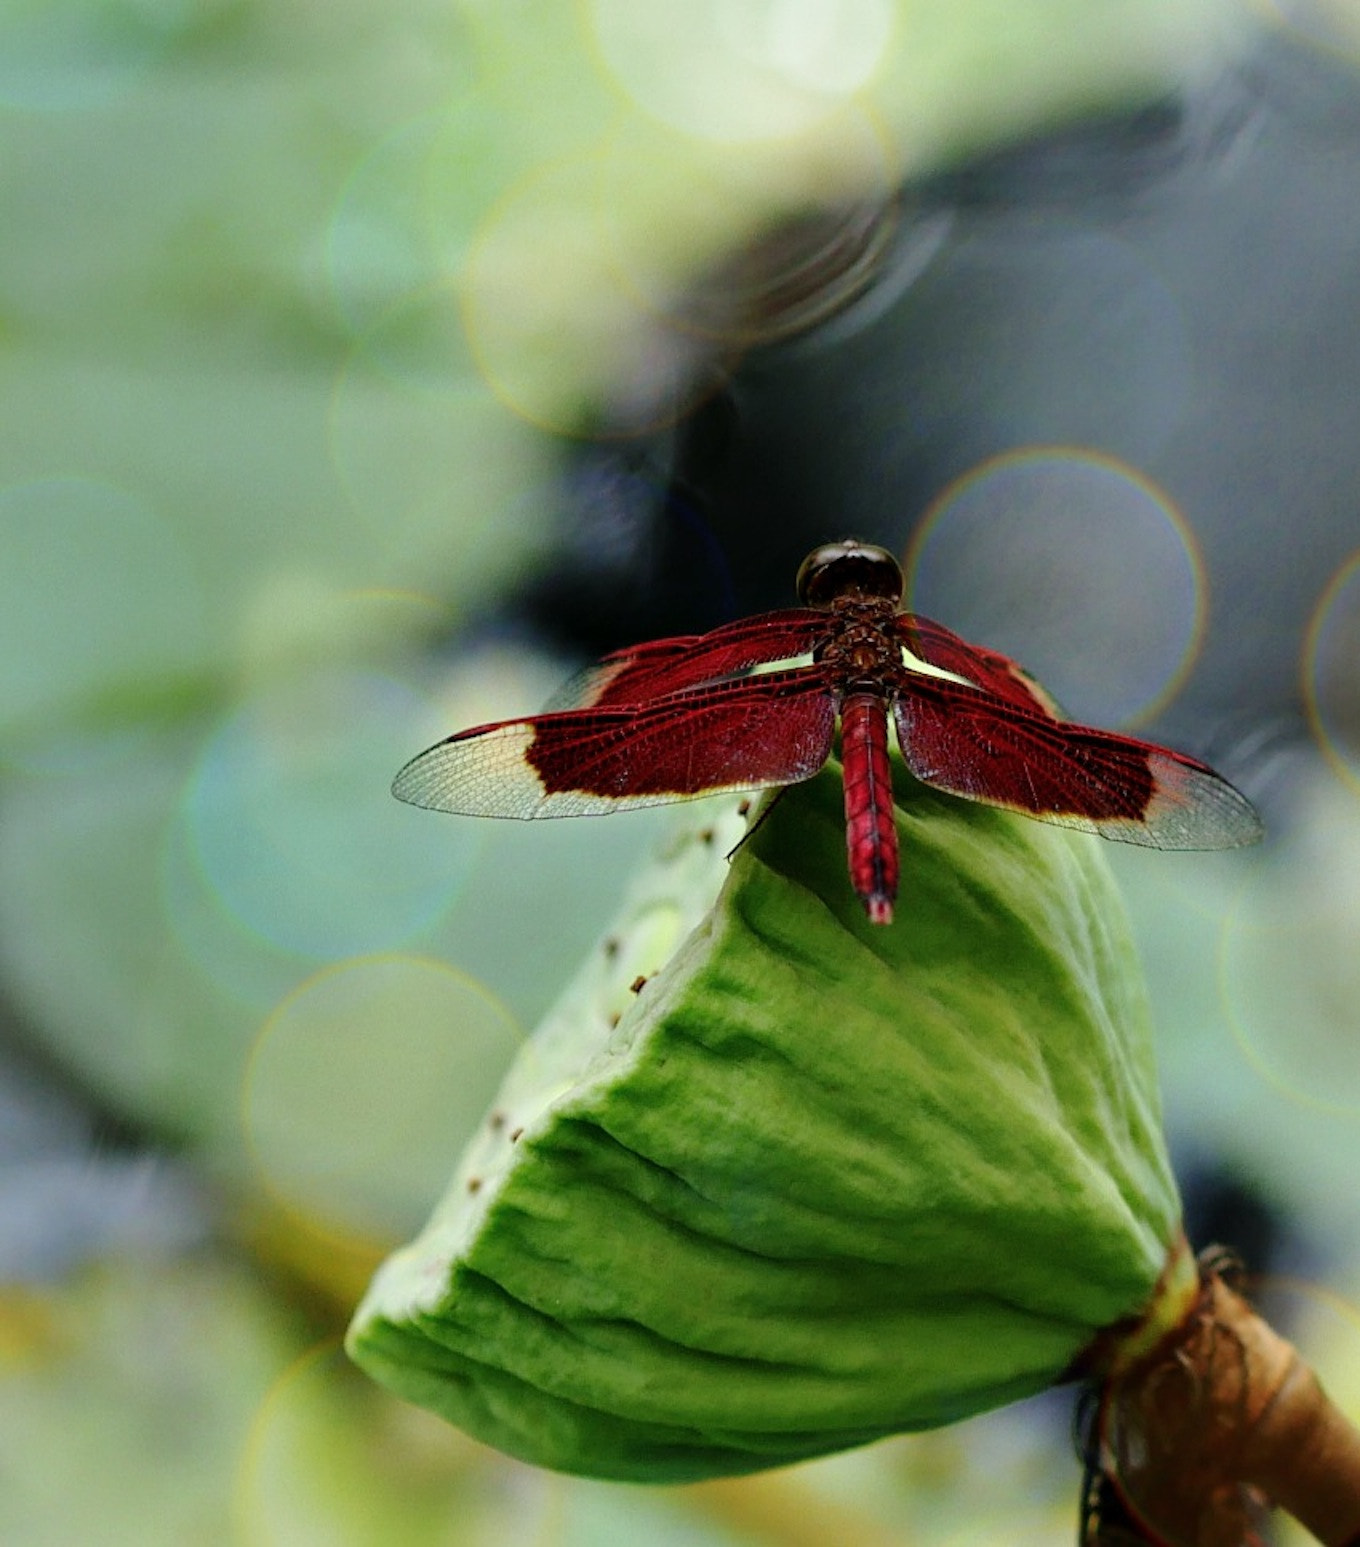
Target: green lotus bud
{"x":815,"y":1181}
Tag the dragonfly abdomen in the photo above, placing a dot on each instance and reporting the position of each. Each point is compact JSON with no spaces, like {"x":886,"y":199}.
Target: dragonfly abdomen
{"x":870,"y":832}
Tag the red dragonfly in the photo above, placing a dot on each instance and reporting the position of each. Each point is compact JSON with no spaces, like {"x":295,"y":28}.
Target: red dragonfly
{"x":679,"y":718}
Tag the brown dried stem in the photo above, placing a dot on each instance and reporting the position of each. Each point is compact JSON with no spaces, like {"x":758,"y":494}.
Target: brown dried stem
{"x":1221,"y":1420}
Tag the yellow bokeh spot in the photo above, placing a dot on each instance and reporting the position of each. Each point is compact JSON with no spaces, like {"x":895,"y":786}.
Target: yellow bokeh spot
{"x":1331,"y":672}
{"x":364,"y":1085}
{"x":741,"y":70}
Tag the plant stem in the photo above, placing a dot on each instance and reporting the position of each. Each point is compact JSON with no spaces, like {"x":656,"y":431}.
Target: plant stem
{"x":1221,"y":1419}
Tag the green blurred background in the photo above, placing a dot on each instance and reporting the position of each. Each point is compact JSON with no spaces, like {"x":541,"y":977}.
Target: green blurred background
{"x":363,"y":369}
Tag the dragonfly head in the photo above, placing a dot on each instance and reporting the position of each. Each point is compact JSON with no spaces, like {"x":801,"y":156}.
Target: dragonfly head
{"x":848,"y":568}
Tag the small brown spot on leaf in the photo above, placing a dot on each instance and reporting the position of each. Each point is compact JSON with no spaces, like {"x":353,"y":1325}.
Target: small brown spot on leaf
{"x":514,"y":1137}
{"x":638,"y":984}
{"x":474,"y":1184}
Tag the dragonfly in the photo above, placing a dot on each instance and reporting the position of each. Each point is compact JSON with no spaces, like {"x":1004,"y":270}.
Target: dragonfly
{"x":756,"y":704}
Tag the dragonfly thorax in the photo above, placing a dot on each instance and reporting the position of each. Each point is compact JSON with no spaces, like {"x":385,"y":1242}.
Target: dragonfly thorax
{"x":860,"y":653}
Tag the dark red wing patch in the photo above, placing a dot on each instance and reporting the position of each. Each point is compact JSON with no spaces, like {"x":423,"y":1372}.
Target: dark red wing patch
{"x":647,"y":671}
{"x":971,"y":745}
{"x":737,"y":735}
{"x":988,"y":669}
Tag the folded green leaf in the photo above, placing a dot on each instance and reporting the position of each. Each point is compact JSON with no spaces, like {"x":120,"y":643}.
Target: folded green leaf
{"x":817,"y":1181}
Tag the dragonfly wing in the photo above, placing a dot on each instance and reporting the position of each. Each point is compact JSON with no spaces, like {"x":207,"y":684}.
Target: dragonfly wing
{"x":748,"y":733}
{"x":662,"y":666}
{"x":986,"y":669}
{"x":980,"y":747}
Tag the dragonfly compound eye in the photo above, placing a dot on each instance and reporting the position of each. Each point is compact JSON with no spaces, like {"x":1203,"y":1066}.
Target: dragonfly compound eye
{"x":848,"y":568}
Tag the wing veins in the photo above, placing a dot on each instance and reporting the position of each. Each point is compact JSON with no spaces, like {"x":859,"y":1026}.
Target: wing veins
{"x":738,"y":734}
{"x":661,"y":667}
{"x":972,"y":744}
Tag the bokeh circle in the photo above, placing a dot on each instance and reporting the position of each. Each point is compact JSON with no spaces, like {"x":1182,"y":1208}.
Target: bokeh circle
{"x":364,"y":1084}
{"x":1073,"y":563}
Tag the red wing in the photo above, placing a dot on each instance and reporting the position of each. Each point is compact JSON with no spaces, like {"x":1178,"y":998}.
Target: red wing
{"x":971,"y":744}
{"x":738,"y":735}
{"x":989,"y":669}
{"x":647,"y":671}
